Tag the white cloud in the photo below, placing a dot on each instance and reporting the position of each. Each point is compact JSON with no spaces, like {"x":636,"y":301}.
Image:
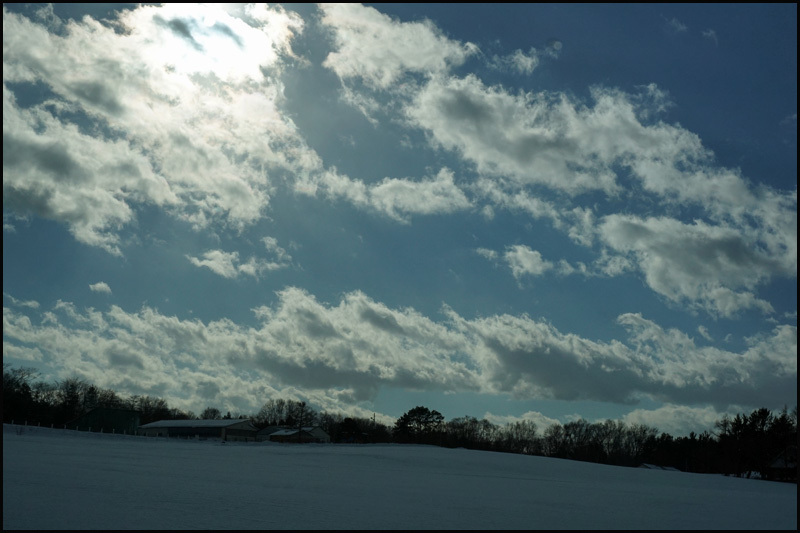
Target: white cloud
{"x":491,"y":255}
{"x":703,"y":331}
{"x":526,"y":144}
{"x":547,"y":139}
{"x":714,"y":268}
{"x":399,"y":198}
{"x":676,"y":420}
{"x":525,"y":262}
{"x":342,"y":354}
{"x":219,"y":262}
{"x":183,"y":117}
{"x":379,"y":50}
{"x":228,"y":265}
{"x":33,"y":304}
{"x":281,"y":255}
{"x":393,"y":197}
{"x":518,"y":61}
{"x":100,"y":286}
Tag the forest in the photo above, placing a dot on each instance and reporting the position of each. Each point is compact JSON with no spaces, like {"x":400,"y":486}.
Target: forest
{"x":761,"y":444}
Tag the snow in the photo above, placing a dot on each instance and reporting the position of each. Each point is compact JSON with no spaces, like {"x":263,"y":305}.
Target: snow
{"x":60,"y":479}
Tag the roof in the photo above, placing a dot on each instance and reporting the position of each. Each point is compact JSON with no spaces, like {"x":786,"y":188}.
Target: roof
{"x":194,"y":423}
{"x":658,"y":467}
{"x":274,"y":430}
{"x":283,"y":433}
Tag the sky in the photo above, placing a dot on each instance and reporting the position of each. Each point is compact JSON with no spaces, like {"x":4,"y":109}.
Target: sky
{"x":530,"y":211}
{"x":57,"y":479}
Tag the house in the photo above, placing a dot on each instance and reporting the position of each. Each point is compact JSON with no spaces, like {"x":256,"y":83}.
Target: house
{"x":286,"y":434}
{"x":658,"y":467}
{"x":225,"y":429}
{"x":784,"y":466}
{"x":107,"y":420}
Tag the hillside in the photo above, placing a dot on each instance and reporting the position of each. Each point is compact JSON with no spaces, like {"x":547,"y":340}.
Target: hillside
{"x":55,"y":479}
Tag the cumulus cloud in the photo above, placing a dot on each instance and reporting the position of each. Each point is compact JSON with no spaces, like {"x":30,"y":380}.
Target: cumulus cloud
{"x":183,"y":117}
{"x":522,"y":142}
{"x":526,"y":262}
{"x":342,"y":354}
{"x":100,"y":286}
{"x":397,"y":198}
{"x":714,"y":268}
{"x":547,"y":139}
{"x":375,"y":48}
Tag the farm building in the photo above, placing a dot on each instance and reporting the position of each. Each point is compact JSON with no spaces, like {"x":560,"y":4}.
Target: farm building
{"x":784,"y":466}
{"x":107,"y":420}
{"x":658,"y":467}
{"x":284,"y":434}
{"x":226,"y":429}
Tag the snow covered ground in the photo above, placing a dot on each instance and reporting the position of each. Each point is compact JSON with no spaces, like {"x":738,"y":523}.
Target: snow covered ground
{"x":56,"y":479}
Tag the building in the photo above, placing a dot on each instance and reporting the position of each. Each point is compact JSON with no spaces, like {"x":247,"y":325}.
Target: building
{"x":226,"y":429}
{"x":658,"y":467}
{"x":107,"y":420}
{"x":285,"y":434}
{"x":784,"y":466}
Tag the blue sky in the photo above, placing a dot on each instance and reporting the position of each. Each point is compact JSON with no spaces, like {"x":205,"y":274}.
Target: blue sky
{"x":522,"y":211}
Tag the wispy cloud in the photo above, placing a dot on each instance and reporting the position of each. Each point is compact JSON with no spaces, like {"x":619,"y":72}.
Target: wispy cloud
{"x":711,"y":35}
{"x":674,"y":25}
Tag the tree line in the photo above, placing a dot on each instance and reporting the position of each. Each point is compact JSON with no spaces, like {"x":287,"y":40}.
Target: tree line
{"x":744,"y":445}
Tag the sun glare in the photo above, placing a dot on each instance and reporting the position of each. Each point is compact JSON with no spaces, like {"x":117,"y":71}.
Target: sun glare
{"x":205,"y":39}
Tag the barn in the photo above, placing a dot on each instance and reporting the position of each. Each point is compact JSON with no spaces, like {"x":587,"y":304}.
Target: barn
{"x":284,"y":434}
{"x":225,"y":429}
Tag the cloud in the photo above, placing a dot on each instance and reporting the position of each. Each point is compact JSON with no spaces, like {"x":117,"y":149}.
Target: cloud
{"x":181,"y":116}
{"x":711,"y":35}
{"x":518,"y":61}
{"x":676,"y":420}
{"x":713,"y":268}
{"x":491,"y":255}
{"x":545,"y":139}
{"x":542,"y":421}
{"x":674,"y":25}
{"x":548,"y":143}
{"x":375,"y":48}
{"x":228,"y":265}
{"x":342,"y":354}
{"x":33,"y":304}
{"x":393,"y":197}
{"x":703,"y":331}
{"x":281,"y":255}
{"x":525,"y":262}
{"x":100,"y":286}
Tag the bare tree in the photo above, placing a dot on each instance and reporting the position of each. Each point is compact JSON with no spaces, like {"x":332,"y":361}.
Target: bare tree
{"x":211,"y":413}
